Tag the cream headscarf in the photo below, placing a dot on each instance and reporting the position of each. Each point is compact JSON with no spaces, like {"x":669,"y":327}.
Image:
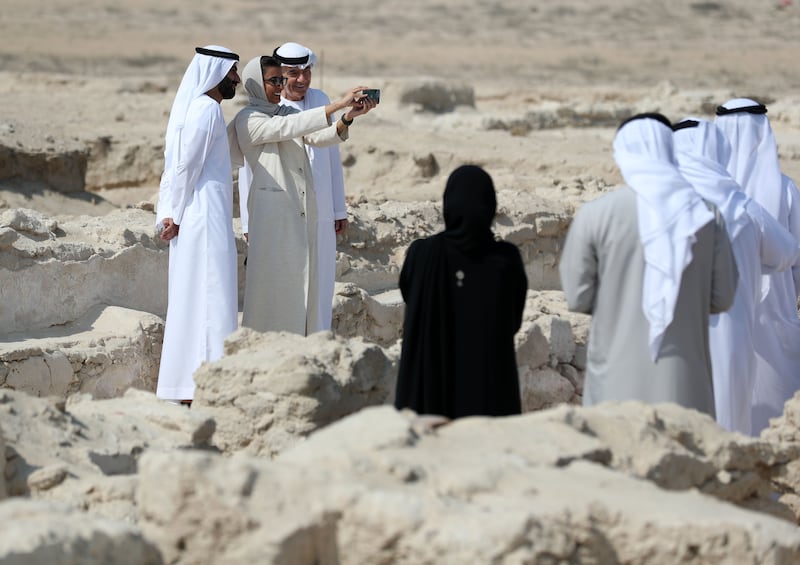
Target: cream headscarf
{"x":257,"y":100}
{"x":669,"y":213}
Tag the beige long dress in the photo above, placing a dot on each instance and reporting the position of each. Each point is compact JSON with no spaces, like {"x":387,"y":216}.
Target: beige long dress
{"x":281,"y":288}
{"x":602,"y":269}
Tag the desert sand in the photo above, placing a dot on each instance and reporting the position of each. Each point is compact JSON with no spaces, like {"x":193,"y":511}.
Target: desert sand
{"x":290,"y":454}
{"x":550,"y":82}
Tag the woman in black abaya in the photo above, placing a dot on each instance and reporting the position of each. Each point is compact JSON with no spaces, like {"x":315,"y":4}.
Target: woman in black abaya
{"x":464,"y":294}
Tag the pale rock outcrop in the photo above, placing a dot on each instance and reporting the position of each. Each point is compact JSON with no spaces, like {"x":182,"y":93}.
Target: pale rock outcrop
{"x":604,"y":109}
{"x":29,"y":222}
{"x":377,"y":318}
{"x":3,"y":493}
{"x":678,"y":449}
{"x":551,"y":352}
{"x":105,"y":352}
{"x":271,"y":390}
{"x":617,"y":483}
{"x":786,"y":428}
{"x":538,"y":227}
{"x":117,"y":161}
{"x":57,"y":449}
{"x":81,"y":302}
{"x":378,"y":487}
{"x":379,"y":234}
{"x":37,"y":532}
{"x":377,"y":237}
{"x":436,"y":96}
{"x":56,"y":271}
{"x":785,"y":433}
{"x":63,"y":170}
{"x":110,"y":267}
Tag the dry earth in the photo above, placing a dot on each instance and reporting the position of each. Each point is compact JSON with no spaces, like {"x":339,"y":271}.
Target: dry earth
{"x":531,"y":90}
{"x":550,"y":82}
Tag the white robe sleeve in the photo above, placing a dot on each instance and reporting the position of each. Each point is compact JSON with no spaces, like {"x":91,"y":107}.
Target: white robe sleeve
{"x":164,"y":208}
{"x":794,"y":226}
{"x":245,"y":179}
{"x":337,"y":185}
{"x":778,"y":249}
{"x":578,"y":266}
{"x":194,"y":145}
{"x":261,"y":128}
{"x":327,"y":137}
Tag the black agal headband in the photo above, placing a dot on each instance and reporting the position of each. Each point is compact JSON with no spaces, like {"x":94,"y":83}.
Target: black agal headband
{"x":754,"y":109}
{"x":685,"y":124}
{"x":290,"y":61}
{"x":647,"y":116}
{"x":215,"y":53}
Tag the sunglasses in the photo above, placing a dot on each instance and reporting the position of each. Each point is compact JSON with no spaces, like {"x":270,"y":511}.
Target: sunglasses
{"x":276,"y":81}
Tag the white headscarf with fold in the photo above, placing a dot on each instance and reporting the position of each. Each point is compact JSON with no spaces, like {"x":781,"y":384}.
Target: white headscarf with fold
{"x":292,"y":50}
{"x":204,"y":73}
{"x":253,"y":78}
{"x":754,"y":154}
{"x":669,"y":213}
{"x":702,"y":152}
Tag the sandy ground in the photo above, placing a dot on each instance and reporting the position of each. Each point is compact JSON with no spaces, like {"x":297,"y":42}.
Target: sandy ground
{"x":73,"y":72}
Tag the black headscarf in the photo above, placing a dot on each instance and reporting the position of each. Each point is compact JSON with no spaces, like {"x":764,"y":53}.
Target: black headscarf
{"x":464,"y":295}
{"x":469,"y":207}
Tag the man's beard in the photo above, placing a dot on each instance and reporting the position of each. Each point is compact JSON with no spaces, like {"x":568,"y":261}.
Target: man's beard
{"x":227,"y":88}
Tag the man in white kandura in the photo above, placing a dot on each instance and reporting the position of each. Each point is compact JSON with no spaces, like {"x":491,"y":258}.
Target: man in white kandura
{"x":760,"y":244}
{"x":754,"y":165}
{"x":195,"y":210}
{"x":326,"y":168}
{"x":650,"y":262}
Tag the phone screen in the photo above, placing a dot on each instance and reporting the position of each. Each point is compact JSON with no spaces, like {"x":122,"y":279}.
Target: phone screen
{"x":373,"y":93}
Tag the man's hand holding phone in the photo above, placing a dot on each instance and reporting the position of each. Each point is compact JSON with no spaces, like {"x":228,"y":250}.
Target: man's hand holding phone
{"x":372,"y":94}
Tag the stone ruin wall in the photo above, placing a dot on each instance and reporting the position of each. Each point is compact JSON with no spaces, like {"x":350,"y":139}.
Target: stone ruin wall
{"x":83,"y":298}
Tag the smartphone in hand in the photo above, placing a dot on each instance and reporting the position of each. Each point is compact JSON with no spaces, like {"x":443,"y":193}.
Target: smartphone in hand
{"x":372,"y":94}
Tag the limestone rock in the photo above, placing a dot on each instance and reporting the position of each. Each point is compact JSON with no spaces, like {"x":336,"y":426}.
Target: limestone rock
{"x":543,"y":388}
{"x":2,"y":466}
{"x":678,"y":449}
{"x":51,"y":445}
{"x":30,"y":222}
{"x":271,"y":390}
{"x":103,"y":353}
{"x":784,"y":432}
{"x":375,"y":318}
{"x":786,"y":429}
{"x":36,"y":532}
{"x":64,"y":170}
{"x":113,"y":260}
{"x":437,"y":97}
{"x":373,"y":488}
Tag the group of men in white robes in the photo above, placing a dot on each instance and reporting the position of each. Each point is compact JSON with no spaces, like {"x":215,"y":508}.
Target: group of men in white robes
{"x":760,"y":245}
{"x":196,"y":199}
{"x":650,"y":262}
{"x":688,"y":270}
{"x":755,"y":166}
